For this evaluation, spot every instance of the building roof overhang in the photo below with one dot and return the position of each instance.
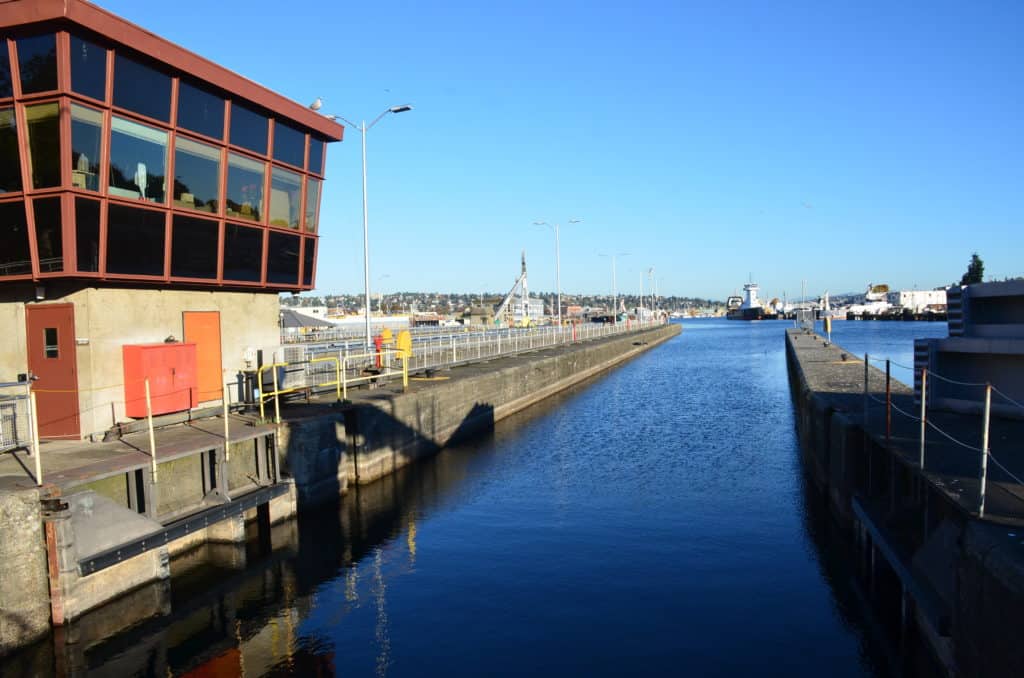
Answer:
(98, 20)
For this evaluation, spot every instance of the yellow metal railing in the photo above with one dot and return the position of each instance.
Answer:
(275, 394)
(343, 364)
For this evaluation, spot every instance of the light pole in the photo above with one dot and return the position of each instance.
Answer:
(363, 129)
(615, 308)
(558, 267)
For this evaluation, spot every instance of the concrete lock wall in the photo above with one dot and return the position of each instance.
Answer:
(989, 586)
(107, 318)
(24, 583)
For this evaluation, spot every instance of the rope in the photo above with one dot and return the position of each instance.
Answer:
(1005, 470)
(961, 444)
(905, 414)
(954, 381)
(1007, 398)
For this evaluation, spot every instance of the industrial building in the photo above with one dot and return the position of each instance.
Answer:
(152, 206)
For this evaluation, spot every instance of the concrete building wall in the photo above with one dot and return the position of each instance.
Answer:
(107, 318)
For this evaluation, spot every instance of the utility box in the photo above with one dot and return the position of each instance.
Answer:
(171, 370)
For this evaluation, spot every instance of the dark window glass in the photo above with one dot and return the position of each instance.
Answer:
(138, 160)
(243, 253)
(245, 187)
(88, 69)
(194, 248)
(289, 145)
(316, 156)
(10, 163)
(87, 234)
(308, 257)
(248, 129)
(200, 111)
(49, 238)
(5, 72)
(135, 241)
(37, 63)
(312, 204)
(196, 175)
(283, 259)
(44, 144)
(285, 198)
(50, 343)
(141, 89)
(86, 132)
(14, 255)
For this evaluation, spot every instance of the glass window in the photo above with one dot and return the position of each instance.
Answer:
(138, 160)
(88, 68)
(245, 187)
(283, 259)
(248, 129)
(14, 255)
(44, 144)
(37, 63)
(194, 247)
(50, 344)
(289, 145)
(312, 204)
(316, 155)
(6, 90)
(200, 111)
(87, 234)
(196, 175)
(49, 238)
(10, 162)
(141, 89)
(86, 132)
(243, 253)
(285, 198)
(308, 257)
(135, 241)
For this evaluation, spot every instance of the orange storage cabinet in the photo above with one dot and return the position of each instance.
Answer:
(173, 382)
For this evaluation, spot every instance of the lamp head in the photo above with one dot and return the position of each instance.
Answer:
(540, 223)
(575, 221)
(400, 109)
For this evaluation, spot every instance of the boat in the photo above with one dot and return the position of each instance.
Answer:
(748, 307)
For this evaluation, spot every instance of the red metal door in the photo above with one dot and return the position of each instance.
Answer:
(51, 358)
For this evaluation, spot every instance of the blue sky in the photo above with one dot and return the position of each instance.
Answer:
(838, 143)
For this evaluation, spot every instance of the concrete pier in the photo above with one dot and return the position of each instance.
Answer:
(948, 579)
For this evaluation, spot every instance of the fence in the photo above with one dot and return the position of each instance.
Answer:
(956, 430)
(19, 428)
(439, 348)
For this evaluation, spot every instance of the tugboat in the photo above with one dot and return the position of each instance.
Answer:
(749, 307)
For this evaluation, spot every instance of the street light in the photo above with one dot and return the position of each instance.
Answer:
(615, 308)
(558, 268)
(363, 129)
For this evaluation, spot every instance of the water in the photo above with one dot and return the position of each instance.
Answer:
(653, 521)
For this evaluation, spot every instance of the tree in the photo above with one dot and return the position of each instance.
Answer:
(975, 271)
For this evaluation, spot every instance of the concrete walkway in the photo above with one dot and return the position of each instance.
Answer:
(69, 463)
